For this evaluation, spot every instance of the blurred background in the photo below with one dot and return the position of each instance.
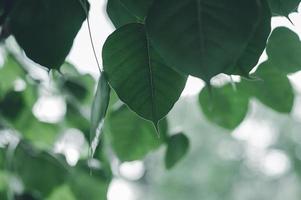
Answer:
(259, 160)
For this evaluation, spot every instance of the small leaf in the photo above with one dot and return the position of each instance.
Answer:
(284, 50)
(201, 37)
(283, 7)
(45, 29)
(138, 74)
(99, 110)
(131, 136)
(274, 90)
(177, 147)
(224, 106)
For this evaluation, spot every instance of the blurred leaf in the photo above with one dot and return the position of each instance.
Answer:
(132, 137)
(205, 33)
(9, 73)
(284, 50)
(274, 90)
(40, 171)
(256, 44)
(62, 193)
(12, 105)
(99, 110)
(138, 75)
(224, 106)
(76, 119)
(68, 69)
(45, 30)
(283, 7)
(87, 186)
(177, 147)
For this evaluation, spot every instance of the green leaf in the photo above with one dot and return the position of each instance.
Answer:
(87, 186)
(256, 44)
(284, 50)
(45, 29)
(137, 7)
(283, 7)
(9, 73)
(274, 90)
(119, 14)
(122, 12)
(12, 105)
(201, 38)
(224, 106)
(131, 136)
(99, 110)
(40, 171)
(177, 147)
(138, 74)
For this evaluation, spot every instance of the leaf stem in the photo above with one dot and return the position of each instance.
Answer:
(84, 5)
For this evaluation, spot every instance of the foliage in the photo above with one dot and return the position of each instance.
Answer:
(157, 44)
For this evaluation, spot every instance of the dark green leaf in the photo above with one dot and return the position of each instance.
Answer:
(138, 75)
(131, 136)
(257, 43)
(12, 105)
(284, 50)
(201, 38)
(45, 29)
(283, 7)
(99, 110)
(137, 7)
(119, 14)
(224, 106)
(177, 147)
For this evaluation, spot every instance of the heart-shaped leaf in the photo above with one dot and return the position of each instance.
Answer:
(177, 147)
(45, 29)
(224, 106)
(201, 37)
(138, 74)
(274, 89)
(284, 50)
(132, 137)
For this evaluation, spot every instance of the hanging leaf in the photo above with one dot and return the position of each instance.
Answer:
(283, 7)
(201, 38)
(99, 109)
(256, 44)
(45, 29)
(274, 90)
(132, 137)
(177, 147)
(224, 106)
(138, 74)
(284, 50)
